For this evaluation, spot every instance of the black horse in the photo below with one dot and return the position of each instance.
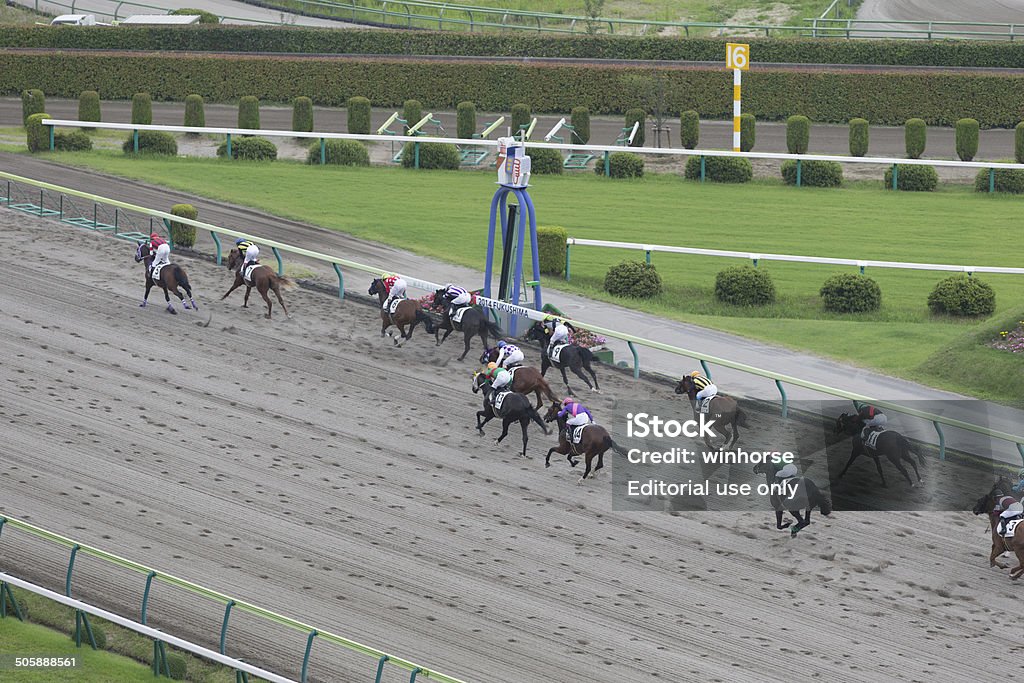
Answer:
(892, 445)
(804, 495)
(474, 322)
(171, 277)
(576, 358)
(514, 408)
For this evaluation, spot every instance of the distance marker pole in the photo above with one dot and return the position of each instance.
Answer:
(736, 74)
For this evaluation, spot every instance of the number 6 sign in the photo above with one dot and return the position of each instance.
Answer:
(737, 56)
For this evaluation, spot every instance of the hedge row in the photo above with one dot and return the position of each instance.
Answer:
(379, 42)
(882, 98)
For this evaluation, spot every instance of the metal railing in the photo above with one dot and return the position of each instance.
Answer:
(605, 150)
(82, 7)
(631, 340)
(229, 603)
(822, 27)
(756, 257)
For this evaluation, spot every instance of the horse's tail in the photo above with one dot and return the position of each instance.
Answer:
(427, 321)
(287, 283)
(610, 443)
(535, 416)
(908, 451)
(741, 417)
(492, 328)
(816, 497)
(587, 356)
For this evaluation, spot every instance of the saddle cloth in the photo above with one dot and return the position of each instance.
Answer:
(498, 399)
(1010, 526)
(705, 404)
(247, 273)
(156, 271)
(394, 305)
(512, 371)
(457, 316)
(556, 352)
(872, 439)
(577, 434)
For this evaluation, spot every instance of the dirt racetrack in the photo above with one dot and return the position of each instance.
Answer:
(307, 466)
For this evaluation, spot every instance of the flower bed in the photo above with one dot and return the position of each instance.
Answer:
(1010, 340)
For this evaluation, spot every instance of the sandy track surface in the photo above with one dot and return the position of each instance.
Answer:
(308, 466)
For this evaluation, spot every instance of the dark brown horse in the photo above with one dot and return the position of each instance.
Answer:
(170, 278)
(594, 441)
(1001, 494)
(407, 312)
(893, 445)
(263, 278)
(573, 356)
(524, 379)
(513, 407)
(804, 495)
(724, 410)
(473, 322)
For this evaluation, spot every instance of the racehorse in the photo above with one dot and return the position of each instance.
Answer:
(986, 506)
(474, 321)
(407, 312)
(805, 495)
(892, 445)
(263, 278)
(525, 379)
(514, 408)
(724, 410)
(171, 276)
(594, 441)
(573, 356)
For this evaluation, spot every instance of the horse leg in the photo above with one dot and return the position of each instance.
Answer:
(778, 521)
(145, 297)
(524, 422)
(565, 379)
(167, 298)
(401, 332)
(277, 293)
(905, 456)
(238, 283)
(586, 366)
(248, 291)
(895, 460)
(878, 466)
(505, 422)
(384, 325)
(263, 293)
(997, 549)
(853, 456)
(600, 462)
(544, 364)
(575, 367)
(467, 335)
(487, 415)
(735, 429)
(586, 472)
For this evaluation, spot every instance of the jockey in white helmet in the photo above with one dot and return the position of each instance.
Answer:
(559, 335)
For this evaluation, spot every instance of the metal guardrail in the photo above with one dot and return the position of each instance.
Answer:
(821, 27)
(631, 340)
(153, 575)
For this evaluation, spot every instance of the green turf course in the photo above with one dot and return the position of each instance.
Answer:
(444, 215)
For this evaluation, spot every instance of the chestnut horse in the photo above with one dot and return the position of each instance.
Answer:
(986, 506)
(724, 410)
(171, 276)
(594, 441)
(408, 312)
(525, 379)
(263, 279)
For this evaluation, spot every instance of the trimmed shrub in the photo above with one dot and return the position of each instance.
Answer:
(142, 108)
(75, 141)
(177, 666)
(181, 234)
(249, 113)
(720, 169)
(358, 115)
(747, 132)
(915, 135)
(249, 148)
(966, 139)
(412, 112)
(545, 161)
(32, 102)
(89, 107)
(962, 296)
(813, 173)
(1009, 180)
(1018, 143)
(340, 153)
(913, 178)
(851, 293)
(520, 118)
(633, 279)
(465, 120)
(798, 134)
(551, 249)
(37, 135)
(622, 165)
(195, 114)
(438, 155)
(859, 134)
(689, 129)
(744, 286)
(204, 16)
(152, 142)
(302, 115)
(634, 116)
(580, 121)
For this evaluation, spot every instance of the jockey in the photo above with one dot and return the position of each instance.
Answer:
(395, 286)
(154, 243)
(873, 419)
(509, 355)
(249, 250)
(576, 414)
(162, 253)
(559, 334)
(704, 386)
(1014, 511)
(457, 297)
(500, 379)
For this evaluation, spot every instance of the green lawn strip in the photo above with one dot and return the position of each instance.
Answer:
(444, 215)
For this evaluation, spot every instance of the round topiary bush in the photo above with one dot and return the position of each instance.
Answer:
(177, 666)
(249, 113)
(580, 121)
(75, 141)
(744, 286)
(1009, 180)
(913, 178)
(851, 293)
(340, 152)
(204, 16)
(412, 112)
(195, 115)
(966, 139)
(89, 107)
(181, 234)
(142, 109)
(748, 132)
(152, 142)
(634, 279)
(37, 136)
(915, 136)
(633, 117)
(520, 118)
(358, 115)
(622, 165)
(249, 148)
(689, 129)
(302, 115)
(859, 135)
(798, 134)
(545, 161)
(962, 296)
(32, 102)
(813, 173)
(720, 169)
(436, 155)
(465, 120)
